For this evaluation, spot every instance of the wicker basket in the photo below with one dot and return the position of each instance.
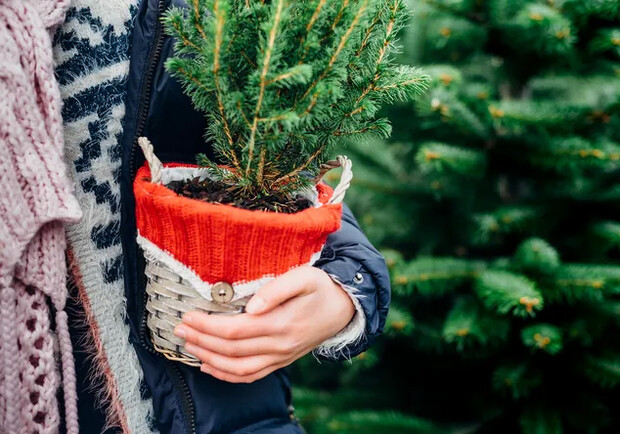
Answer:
(174, 287)
(169, 297)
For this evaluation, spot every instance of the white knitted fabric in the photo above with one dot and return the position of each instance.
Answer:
(91, 53)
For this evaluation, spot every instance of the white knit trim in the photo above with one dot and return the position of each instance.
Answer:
(170, 174)
(242, 288)
(335, 346)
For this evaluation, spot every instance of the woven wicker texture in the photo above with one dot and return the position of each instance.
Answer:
(169, 297)
(219, 244)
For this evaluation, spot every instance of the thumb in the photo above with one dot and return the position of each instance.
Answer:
(289, 285)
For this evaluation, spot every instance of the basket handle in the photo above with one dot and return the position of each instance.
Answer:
(157, 167)
(345, 177)
(154, 162)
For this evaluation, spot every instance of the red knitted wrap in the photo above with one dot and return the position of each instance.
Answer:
(224, 243)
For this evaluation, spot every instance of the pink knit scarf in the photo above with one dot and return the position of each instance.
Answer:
(35, 202)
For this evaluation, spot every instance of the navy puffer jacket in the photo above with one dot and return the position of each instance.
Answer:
(185, 399)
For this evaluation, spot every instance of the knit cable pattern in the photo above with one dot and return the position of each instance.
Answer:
(36, 201)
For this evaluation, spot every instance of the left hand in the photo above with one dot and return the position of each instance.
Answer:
(286, 319)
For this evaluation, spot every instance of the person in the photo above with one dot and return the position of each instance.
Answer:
(110, 66)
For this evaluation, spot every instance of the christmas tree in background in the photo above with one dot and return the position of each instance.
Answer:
(497, 202)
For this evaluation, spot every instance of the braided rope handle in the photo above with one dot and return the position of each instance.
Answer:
(345, 177)
(154, 163)
(341, 161)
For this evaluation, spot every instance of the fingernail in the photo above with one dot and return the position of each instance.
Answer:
(255, 305)
(190, 348)
(180, 331)
(204, 369)
(188, 318)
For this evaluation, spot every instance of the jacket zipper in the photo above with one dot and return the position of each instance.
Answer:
(187, 406)
(145, 94)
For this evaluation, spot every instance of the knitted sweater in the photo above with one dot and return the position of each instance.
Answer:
(91, 55)
(36, 201)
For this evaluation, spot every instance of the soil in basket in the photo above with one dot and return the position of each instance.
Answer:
(219, 192)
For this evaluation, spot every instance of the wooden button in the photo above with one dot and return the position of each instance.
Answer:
(222, 292)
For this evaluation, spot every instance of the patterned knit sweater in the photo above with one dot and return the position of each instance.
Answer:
(91, 54)
(35, 202)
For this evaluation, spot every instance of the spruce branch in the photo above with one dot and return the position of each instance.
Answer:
(394, 10)
(263, 84)
(345, 4)
(303, 166)
(197, 23)
(184, 37)
(220, 20)
(339, 48)
(368, 33)
(315, 15)
(275, 106)
(311, 22)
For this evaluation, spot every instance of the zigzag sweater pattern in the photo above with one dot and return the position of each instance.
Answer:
(91, 55)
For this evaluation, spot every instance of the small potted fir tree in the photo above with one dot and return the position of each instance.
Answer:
(281, 82)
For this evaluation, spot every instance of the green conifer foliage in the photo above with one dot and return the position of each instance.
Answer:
(282, 81)
(497, 201)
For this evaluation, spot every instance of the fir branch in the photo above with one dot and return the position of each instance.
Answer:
(360, 131)
(382, 51)
(315, 15)
(261, 166)
(250, 61)
(368, 32)
(219, 30)
(303, 167)
(242, 112)
(340, 13)
(309, 26)
(298, 74)
(263, 84)
(243, 70)
(184, 36)
(313, 101)
(197, 23)
(193, 79)
(413, 81)
(341, 44)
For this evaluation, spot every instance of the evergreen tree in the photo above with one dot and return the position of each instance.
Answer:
(498, 203)
(283, 81)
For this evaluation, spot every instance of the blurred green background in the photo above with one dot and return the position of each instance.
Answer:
(497, 206)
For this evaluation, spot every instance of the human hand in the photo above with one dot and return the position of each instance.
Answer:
(286, 319)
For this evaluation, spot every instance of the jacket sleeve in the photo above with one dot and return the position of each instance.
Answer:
(350, 259)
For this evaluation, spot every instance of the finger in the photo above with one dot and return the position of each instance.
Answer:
(290, 284)
(233, 348)
(231, 378)
(238, 366)
(230, 327)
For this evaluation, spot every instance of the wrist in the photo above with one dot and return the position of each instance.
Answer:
(341, 297)
(352, 331)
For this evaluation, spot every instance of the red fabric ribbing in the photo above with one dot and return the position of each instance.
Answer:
(225, 243)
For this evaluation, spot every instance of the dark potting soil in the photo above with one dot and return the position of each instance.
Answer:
(219, 192)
